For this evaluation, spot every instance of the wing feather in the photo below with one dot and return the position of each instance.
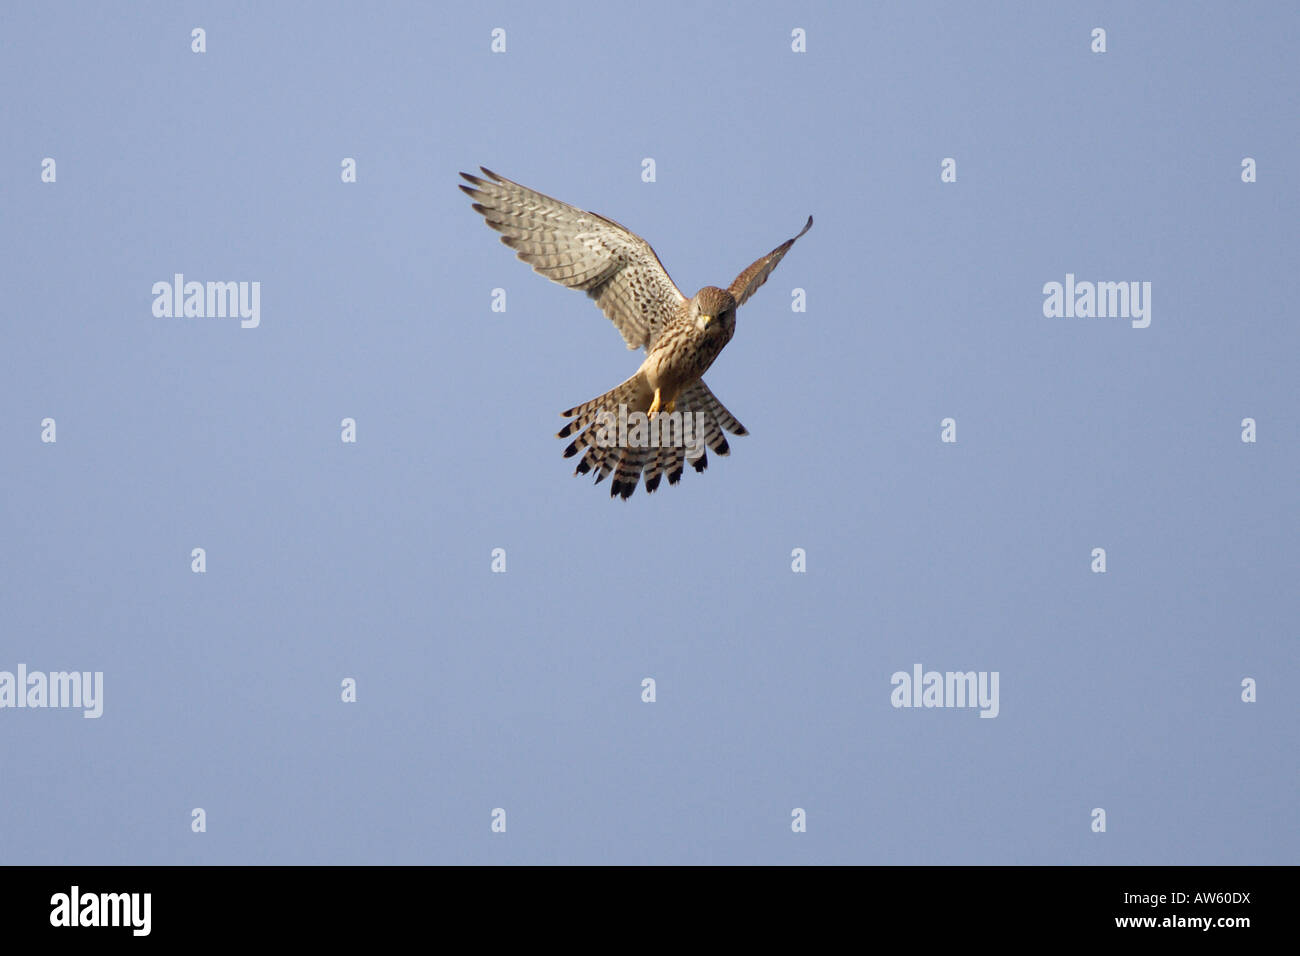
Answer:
(748, 282)
(581, 250)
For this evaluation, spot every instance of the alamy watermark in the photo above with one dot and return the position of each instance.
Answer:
(37, 689)
(1103, 300)
(208, 300)
(922, 688)
(638, 430)
(75, 908)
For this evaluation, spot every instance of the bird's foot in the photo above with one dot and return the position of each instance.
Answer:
(656, 408)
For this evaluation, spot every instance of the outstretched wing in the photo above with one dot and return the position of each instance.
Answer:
(747, 282)
(581, 250)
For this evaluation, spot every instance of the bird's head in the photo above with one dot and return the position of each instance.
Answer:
(714, 305)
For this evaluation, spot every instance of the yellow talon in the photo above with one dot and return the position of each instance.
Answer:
(655, 409)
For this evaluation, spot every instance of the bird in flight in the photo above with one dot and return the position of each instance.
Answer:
(678, 414)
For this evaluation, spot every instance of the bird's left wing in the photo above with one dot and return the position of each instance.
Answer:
(747, 282)
(581, 250)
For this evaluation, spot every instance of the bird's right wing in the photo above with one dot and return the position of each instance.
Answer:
(581, 250)
(748, 282)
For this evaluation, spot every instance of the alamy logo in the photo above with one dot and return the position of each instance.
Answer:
(102, 909)
(56, 689)
(1103, 300)
(208, 300)
(946, 689)
(639, 430)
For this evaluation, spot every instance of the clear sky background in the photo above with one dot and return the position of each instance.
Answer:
(522, 690)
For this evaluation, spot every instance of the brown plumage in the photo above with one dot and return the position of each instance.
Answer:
(682, 337)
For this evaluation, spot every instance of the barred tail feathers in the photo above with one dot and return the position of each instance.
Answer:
(599, 454)
(587, 424)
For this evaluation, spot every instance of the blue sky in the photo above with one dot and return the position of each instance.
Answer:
(522, 690)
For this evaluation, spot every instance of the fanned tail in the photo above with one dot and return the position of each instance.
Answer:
(595, 427)
(596, 436)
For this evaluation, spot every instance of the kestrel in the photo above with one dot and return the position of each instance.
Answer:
(681, 336)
